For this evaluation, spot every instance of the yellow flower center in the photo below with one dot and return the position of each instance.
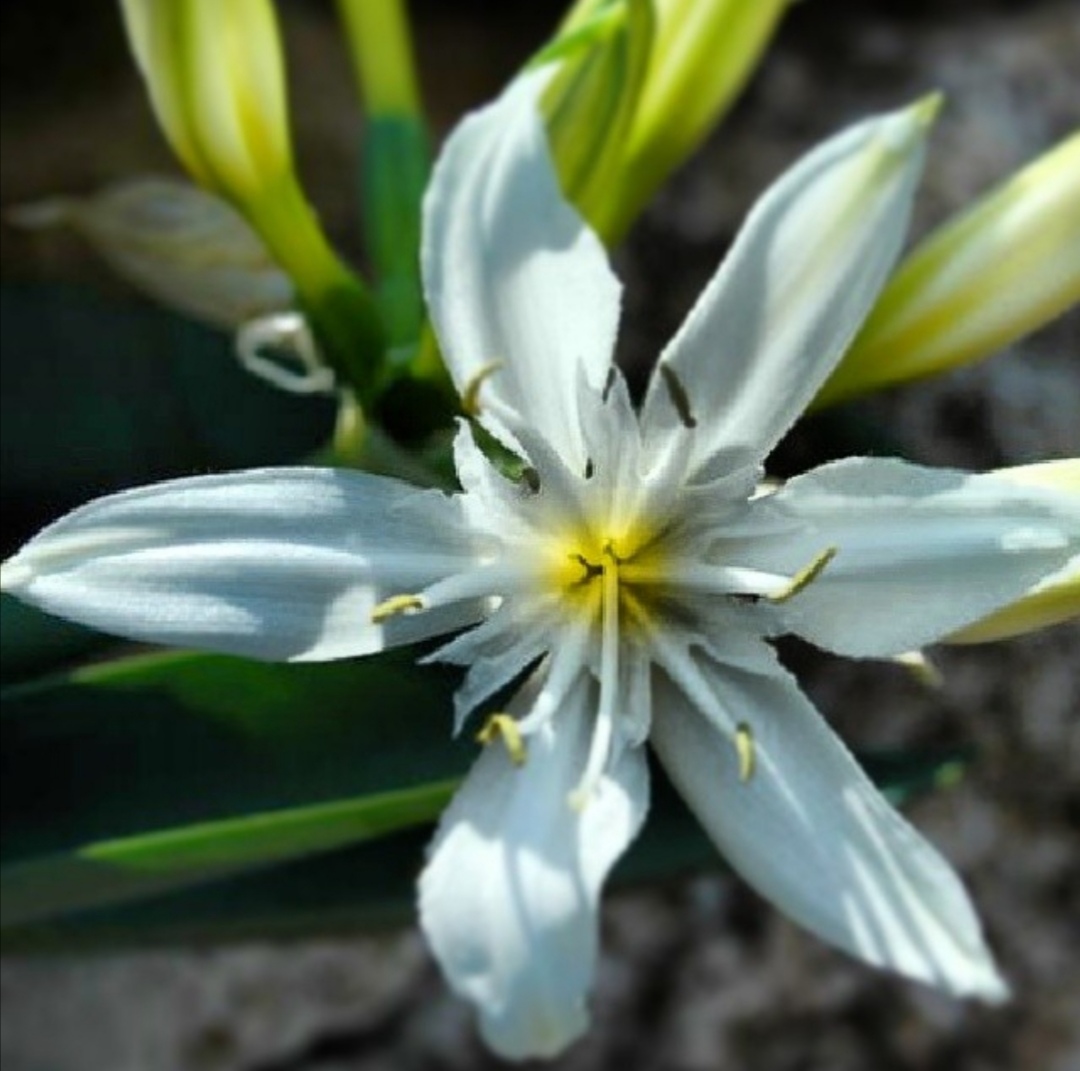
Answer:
(587, 568)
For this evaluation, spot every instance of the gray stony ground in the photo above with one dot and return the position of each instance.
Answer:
(698, 975)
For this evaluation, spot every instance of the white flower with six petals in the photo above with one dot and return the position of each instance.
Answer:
(631, 582)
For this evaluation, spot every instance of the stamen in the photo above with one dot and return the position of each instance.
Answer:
(396, 604)
(567, 663)
(921, 668)
(604, 730)
(500, 577)
(744, 748)
(707, 579)
(609, 549)
(590, 571)
(805, 576)
(609, 382)
(505, 728)
(470, 396)
(677, 392)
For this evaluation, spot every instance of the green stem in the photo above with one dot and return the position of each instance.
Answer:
(342, 311)
(381, 48)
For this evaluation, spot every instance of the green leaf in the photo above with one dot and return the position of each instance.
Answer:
(372, 884)
(35, 643)
(159, 741)
(180, 796)
(98, 394)
(136, 867)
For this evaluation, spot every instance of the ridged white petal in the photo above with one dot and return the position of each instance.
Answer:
(279, 564)
(919, 552)
(512, 274)
(509, 896)
(792, 292)
(811, 833)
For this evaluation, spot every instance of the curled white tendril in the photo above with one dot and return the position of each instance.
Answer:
(281, 350)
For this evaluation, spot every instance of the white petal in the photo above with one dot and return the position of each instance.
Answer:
(281, 564)
(512, 273)
(810, 832)
(496, 651)
(509, 897)
(798, 282)
(920, 552)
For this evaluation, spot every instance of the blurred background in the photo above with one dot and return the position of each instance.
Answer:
(698, 974)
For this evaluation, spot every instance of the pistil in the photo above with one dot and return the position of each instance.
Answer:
(604, 729)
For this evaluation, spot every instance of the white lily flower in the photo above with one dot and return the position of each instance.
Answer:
(632, 584)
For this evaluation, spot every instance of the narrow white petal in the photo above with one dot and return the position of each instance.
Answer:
(513, 275)
(496, 651)
(509, 897)
(793, 290)
(281, 564)
(491, 501)
(810, 832)
(919, 552)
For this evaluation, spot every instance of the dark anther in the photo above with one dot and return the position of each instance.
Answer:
(590, 569)
(612, 375)
(531, 479)
(678, 395)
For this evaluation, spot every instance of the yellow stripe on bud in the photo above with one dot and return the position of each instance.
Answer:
(590, 105)
(643, 82)
(505, 728)
(1054, 599)
(997, 271)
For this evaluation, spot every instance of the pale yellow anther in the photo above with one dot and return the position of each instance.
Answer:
(744, 749)
(470, 396)
(505, 728)
(921, 668)
(805, 576)
(578, 800)
(396, 604)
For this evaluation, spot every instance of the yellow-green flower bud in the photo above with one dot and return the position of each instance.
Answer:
(216, 79)
(590, 106)
(662, 74)
(995, 272)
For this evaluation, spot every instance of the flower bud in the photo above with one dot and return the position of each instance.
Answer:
(179, 244)
(997, 271)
